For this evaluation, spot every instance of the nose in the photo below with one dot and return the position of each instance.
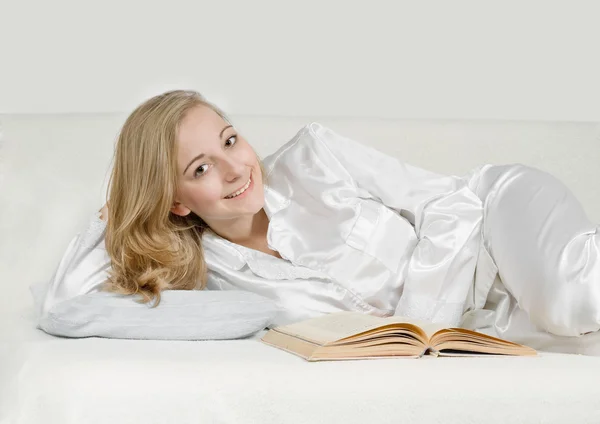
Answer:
(232, 169)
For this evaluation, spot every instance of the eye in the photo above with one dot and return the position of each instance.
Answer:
(230, 143)
(201, 170)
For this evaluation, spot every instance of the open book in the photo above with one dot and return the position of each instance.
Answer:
(353, 335)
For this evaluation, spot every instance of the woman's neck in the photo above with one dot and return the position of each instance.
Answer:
(245, 232)
(255, 236)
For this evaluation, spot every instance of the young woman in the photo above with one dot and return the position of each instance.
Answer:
(327, 224)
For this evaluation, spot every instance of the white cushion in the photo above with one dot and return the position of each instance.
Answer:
(181, 315)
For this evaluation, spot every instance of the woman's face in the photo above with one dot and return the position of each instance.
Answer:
(219, 173)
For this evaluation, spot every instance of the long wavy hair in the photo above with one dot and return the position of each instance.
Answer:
(152, 249)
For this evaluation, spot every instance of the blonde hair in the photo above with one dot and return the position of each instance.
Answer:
(152, 249)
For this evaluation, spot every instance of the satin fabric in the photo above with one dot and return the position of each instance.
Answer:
(359, 230)
(547, 252)
(504, 249)
(83, 269)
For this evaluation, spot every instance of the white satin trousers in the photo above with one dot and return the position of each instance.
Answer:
(546, 249)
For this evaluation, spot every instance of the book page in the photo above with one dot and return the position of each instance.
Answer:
(340, 325)
(465, 341)
(429, 328)
(332, 327)
(343, 335)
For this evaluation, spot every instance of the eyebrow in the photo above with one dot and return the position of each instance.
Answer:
(201, 155)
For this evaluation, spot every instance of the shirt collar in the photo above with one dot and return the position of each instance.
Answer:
(274, 201)
(218, 249)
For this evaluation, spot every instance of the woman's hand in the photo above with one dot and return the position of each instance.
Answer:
(104, 213)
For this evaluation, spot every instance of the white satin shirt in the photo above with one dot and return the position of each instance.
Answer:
(357, 230)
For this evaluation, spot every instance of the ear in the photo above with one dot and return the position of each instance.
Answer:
(180, 209)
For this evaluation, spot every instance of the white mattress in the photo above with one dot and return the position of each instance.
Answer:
(48, 380)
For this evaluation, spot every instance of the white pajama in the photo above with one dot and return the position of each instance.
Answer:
(546, 249)
(506, 250)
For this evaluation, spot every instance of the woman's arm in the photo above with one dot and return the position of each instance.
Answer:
(446, 216)
(82, 269)
(75, 307)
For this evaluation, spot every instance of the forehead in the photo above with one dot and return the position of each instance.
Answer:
(199, 126)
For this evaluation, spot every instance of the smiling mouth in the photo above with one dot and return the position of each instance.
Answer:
(240, 191)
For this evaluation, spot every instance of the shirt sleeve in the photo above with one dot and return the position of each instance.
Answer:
(82, 269)
(446, 216)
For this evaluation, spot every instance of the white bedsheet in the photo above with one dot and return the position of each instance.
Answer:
(49, 380)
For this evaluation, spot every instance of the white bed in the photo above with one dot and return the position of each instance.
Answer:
(243, 381)
(52, 177)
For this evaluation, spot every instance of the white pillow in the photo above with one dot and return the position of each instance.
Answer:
(181, 315)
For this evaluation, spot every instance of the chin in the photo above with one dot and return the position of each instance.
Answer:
(257, 204)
